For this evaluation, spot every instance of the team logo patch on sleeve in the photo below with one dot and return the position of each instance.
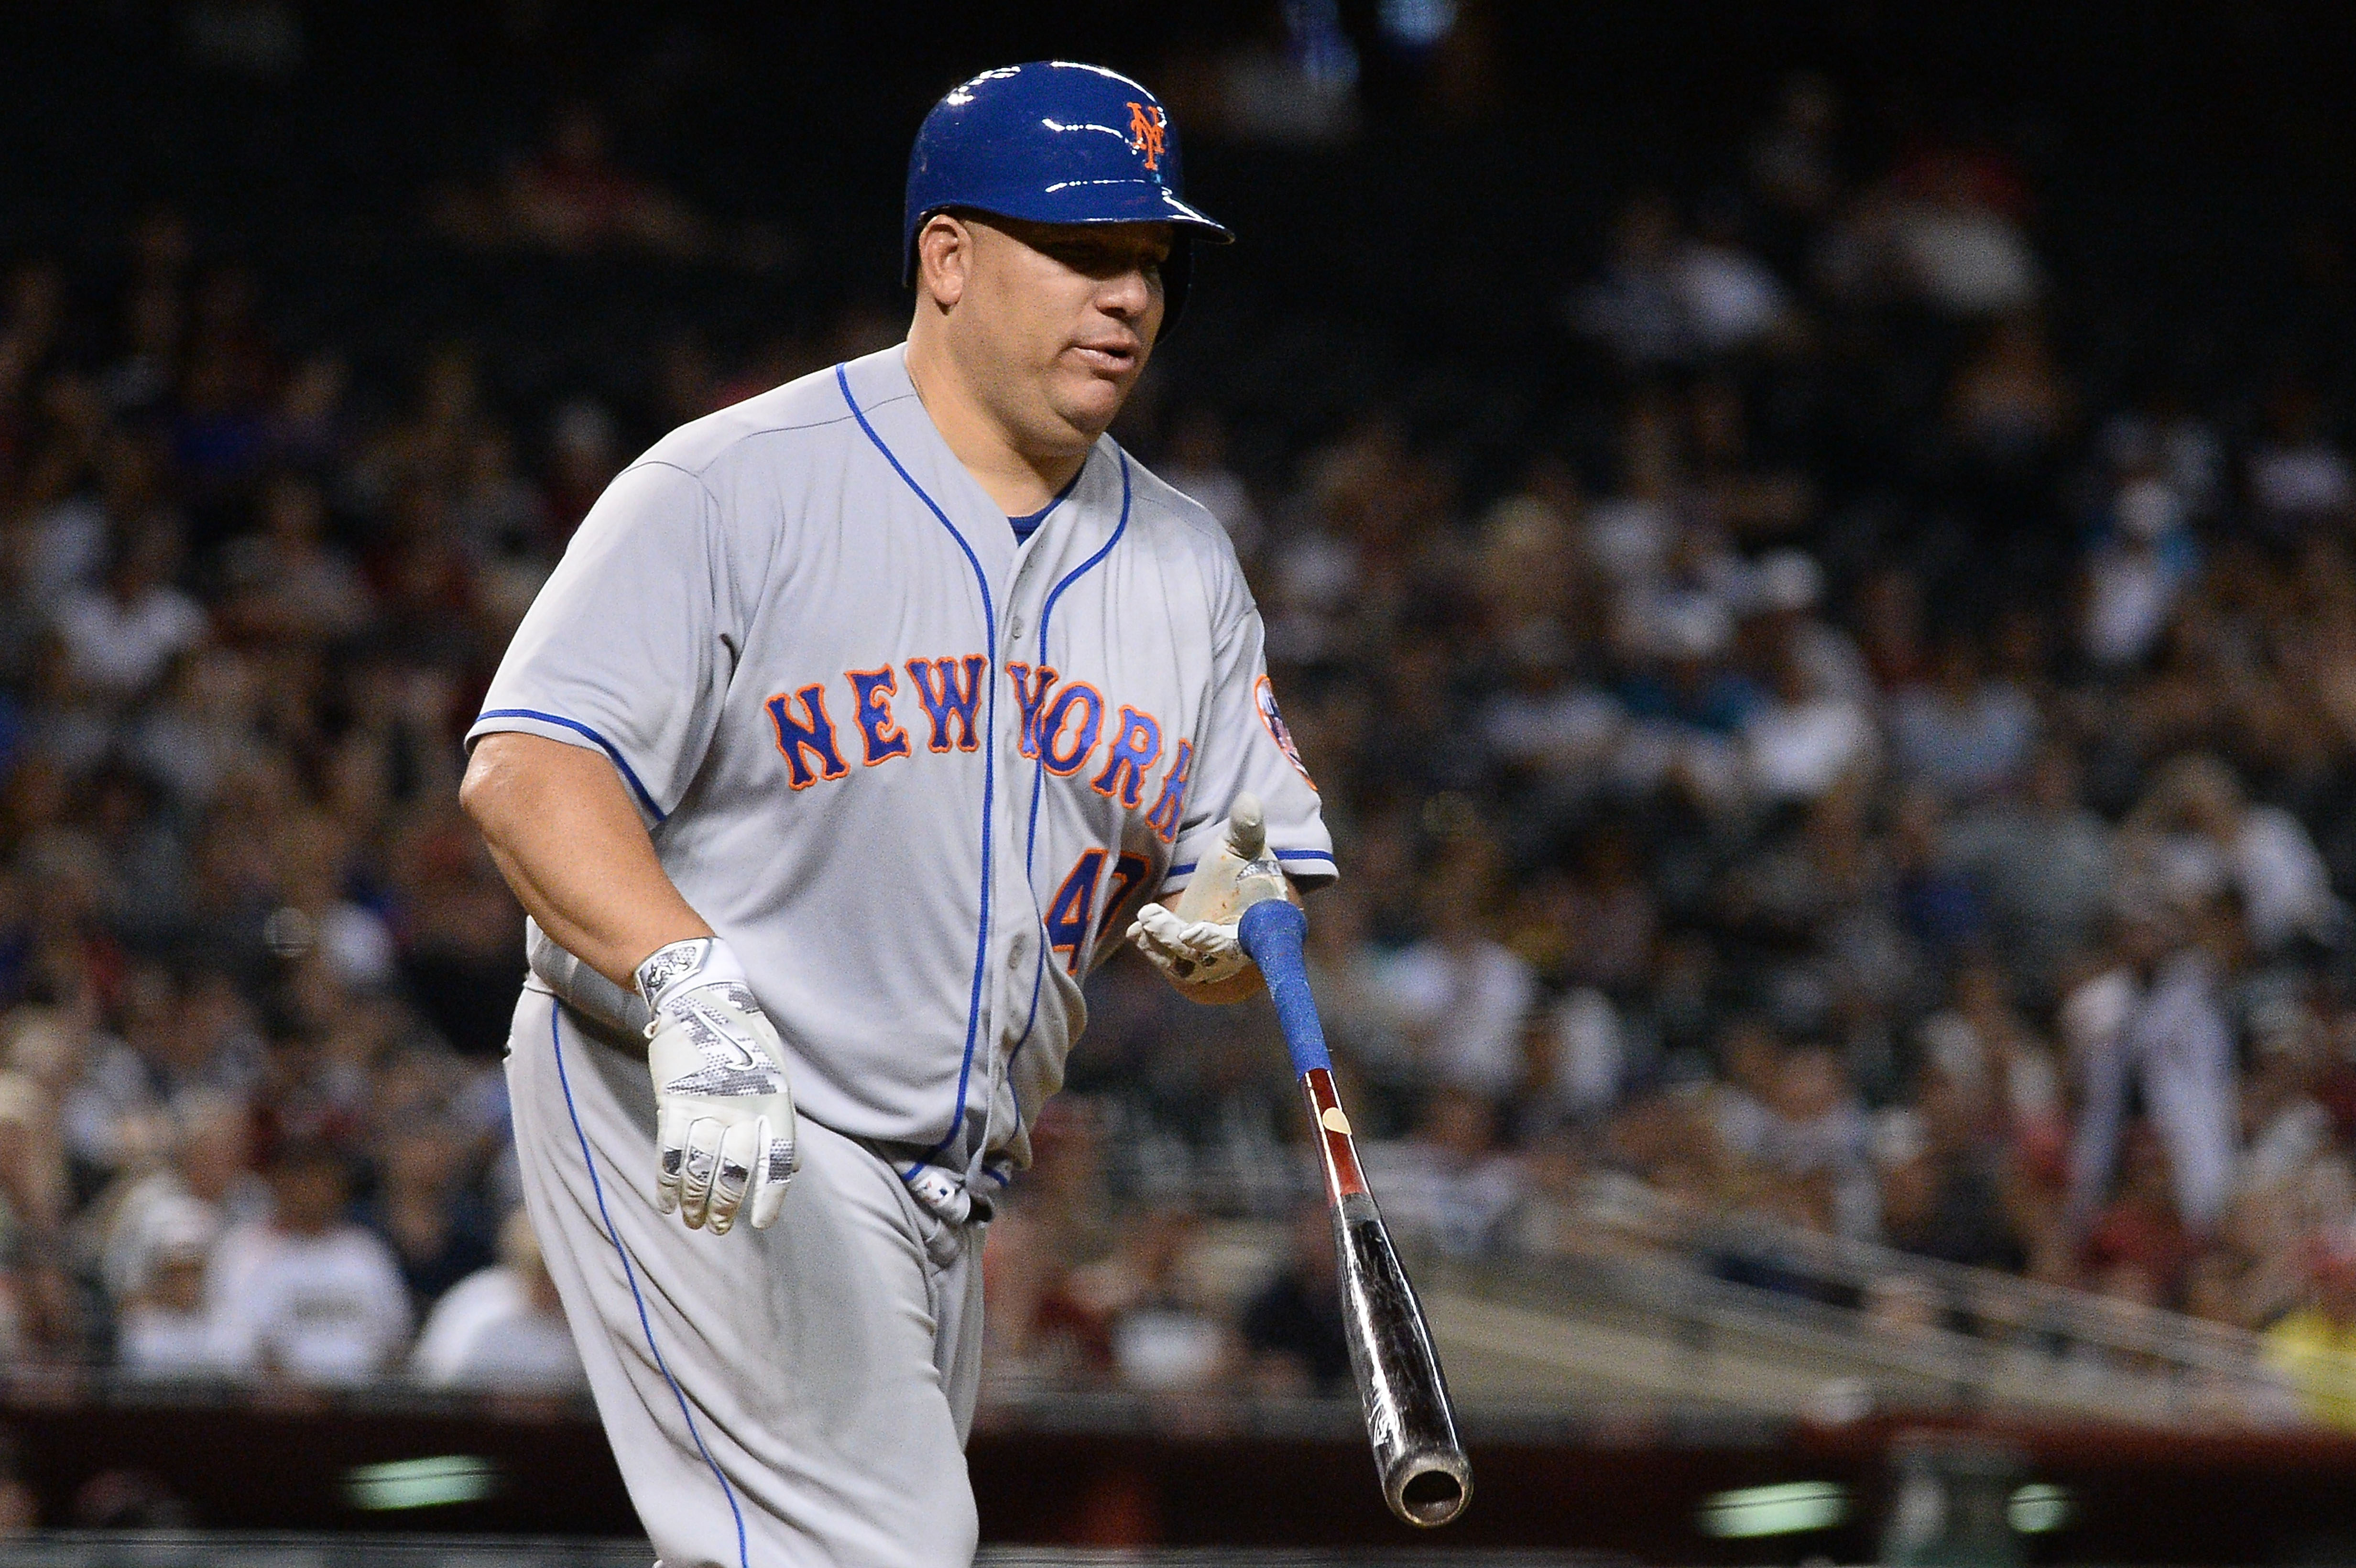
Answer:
(1264, 697)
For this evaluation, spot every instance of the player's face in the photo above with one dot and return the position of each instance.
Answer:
(1067, 314)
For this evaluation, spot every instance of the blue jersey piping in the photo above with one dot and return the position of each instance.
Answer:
(578, 728)
(646, 1326)
(988, 770)
(1191, 866)
(1039, 772)
(1047, 615)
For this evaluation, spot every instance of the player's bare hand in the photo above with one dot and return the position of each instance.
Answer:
(724, 1115)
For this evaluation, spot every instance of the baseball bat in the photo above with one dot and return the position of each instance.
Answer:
(1426, 1478)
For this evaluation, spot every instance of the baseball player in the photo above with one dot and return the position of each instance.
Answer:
(859, 721)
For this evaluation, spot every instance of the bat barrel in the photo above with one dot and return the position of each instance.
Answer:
(1426, 1477)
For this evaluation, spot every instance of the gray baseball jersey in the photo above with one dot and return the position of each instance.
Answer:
(916, 772)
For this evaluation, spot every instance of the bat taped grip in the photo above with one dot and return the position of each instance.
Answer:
(1270, 931)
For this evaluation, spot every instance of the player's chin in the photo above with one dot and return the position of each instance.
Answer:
(1089, 399)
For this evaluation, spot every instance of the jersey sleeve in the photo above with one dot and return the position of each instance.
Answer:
(1244, 746)
(629, 647)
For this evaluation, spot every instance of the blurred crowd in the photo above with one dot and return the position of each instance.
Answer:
(1854, 781)
(1849, 774)
(254, 964)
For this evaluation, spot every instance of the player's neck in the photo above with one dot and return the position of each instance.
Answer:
(1019, 481)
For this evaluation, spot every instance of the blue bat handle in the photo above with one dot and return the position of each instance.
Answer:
(1270, 931)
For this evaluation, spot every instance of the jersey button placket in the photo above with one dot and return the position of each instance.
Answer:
(1015, 894)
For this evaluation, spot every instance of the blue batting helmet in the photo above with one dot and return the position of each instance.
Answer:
(1053, 141)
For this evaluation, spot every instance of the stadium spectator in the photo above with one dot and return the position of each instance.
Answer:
(2195, 836)
(2297, 476)
(182, 1033)
(2042, 865)
(2009, 406)
(1451, 1183)
(1579, 1060)
(1195, 461)
(284, 581)
(305, 1295)
(163, 1330)
(1459, 997)
(1956, 240)
(1794, 167)
(423, 1212)
(1807, 740)
(120, 638)
(1814, 1132)
(2144, 561)
(2158, 1021)
(1961, 733)
(1610, 920)
(571, 197)
(199, 1180)
(1292, 1325)
(2140, 1247)
(1638, 308)
(1730, 299)
(1943, 1176)
(501, 1328)
(1147, 1298)
(1751, 1066)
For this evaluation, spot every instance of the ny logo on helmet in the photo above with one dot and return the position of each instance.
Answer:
(1145, 129)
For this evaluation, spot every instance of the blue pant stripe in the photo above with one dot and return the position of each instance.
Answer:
(556, 1034)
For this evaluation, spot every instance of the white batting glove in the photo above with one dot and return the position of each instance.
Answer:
(724, 1115)
(1195, 944)
(1193, 950)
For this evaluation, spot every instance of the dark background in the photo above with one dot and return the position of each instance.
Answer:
(2188, 155)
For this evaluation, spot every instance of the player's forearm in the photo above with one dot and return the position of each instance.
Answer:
(565, 836)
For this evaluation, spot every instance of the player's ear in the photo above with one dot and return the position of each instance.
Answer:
(944, 258)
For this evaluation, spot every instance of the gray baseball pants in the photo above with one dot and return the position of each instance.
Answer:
(788, 1398)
